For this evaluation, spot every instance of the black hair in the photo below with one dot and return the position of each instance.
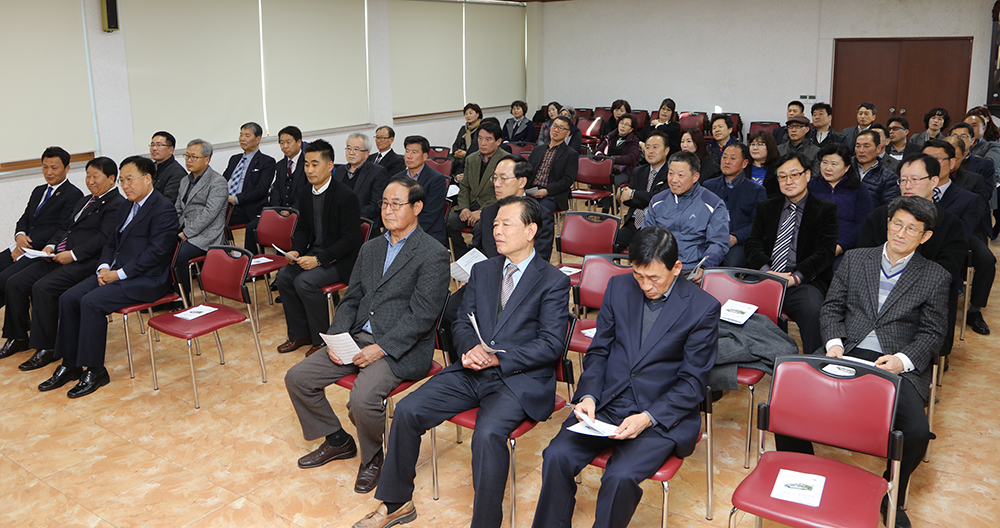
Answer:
(964, 125)
(257, 130)
(522, 167)
(568, 121)
(851, 178)
(143, 164)
(171, 141)
(520, 104)
(772, 146)
(325, 149)
(106, 165)
(291, 130)
(726, 119)
(493, 128)
(474, 107)
(870, 106)
(796, 156)
(897, 119)
(822, 106)
(698, 138)
(415, 193)
(873, 133)
(923, 210)
(630, 117)
(669, 103)
(425, 146)
(621, 103)
(943, 112)
(531, 212)
(802, 107)
(392, 133)
(651, 244)
(883, 132)
(684, 156)
(56, 152)
(661, 135)
(948, 148)
(931, 165)
(744, 150)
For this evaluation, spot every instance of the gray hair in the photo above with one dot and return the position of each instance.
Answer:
(364, 139)
(206, 147)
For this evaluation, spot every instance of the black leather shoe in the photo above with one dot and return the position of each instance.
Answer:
(902, 521)
(40, 359)
(13, 346)
(977, 323)
(90, 382)
(60, 377)
(368, 474)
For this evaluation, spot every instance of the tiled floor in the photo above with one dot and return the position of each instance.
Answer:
(132, 456)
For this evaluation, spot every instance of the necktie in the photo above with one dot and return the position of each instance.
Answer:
(937, 194)
(131, 215)
(507, 287)
(48, 194)
(289, 169)
(61, 246)
(641, 213)
(378, 158)
(783, 244)
(237, 179)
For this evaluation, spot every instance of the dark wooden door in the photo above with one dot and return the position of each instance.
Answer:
(905, 77)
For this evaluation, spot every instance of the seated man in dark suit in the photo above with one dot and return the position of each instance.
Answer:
(386, 157)
(646, 371)
(49, 206)
(965, 179)
(741, 196)
(887, 305)
(75, 248)
(289, 178)
(366, 178)
(555, 168)
(201, 209)
(519, 302)
(168, 172)
(135, 268)
(647, 181)
(475, 189)
(249, 175)
(434, 184)
(509, 179)
(795, 236)
(398, 287)
(866, 116)
(984, 167)
(822, 133)
(324, 247)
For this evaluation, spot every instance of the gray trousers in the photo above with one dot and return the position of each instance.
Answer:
(307, 380)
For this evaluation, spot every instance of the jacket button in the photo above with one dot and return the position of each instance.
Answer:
(492, 343)
(633, 376)
(371, 313)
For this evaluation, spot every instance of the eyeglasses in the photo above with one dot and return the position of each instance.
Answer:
(962, 136)
(908, 181)
(382, 138)
(193, 157)
(560, 127)
(395, 206)
(910, 231)
(158, 145)
(790, 175)
(896, 128)
(356, 149)
(129, 181)
(503, 179)
(758, 145)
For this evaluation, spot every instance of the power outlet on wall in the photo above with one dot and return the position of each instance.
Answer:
(811, 97)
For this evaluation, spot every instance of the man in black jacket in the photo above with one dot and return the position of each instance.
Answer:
(289, 178)
(641, 188)
(324, 247)
(555, 168)
(169, 172)
(249, 175)
(386, 157)
(366, 178)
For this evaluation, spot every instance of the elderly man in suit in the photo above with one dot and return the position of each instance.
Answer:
(555, 168)
(201, 208)
(519, 302)
(509, 179)
(169, 173)
(646, 372)
(887, 305)
(74, 250)
(475, 190)
(434, 184)
(386, 157)
(249, 175)
(794, 236)
(324, 248)
(366, 178)
(398, 287)
(647, 181)
(289, 178)
(135, 268)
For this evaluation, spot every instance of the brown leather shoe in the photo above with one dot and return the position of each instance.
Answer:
(368, 474)
(312, 350)
(291, 345)
(326, 453)
(380, 519)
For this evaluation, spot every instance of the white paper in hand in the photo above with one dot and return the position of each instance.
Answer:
(343, 346)
(801, 488)
(589, 427)
(34, 253)
(472, 317)
(452, 191)
(282, 252)
(737, 312)
(461, 269)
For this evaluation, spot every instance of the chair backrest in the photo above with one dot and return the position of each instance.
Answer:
(770, 126)
(597, 271)
(764, 290)
(521, 148)
(693, 119)
(641, 118)
(225, 272)
(603, 112)
(439, 152)
(589, 126)
(584, 233)
(594, 172)
(654, 115)
(277, 228)
(441, 165)
(584, 112)
(366, 230)
(564, 367)
(852, 410)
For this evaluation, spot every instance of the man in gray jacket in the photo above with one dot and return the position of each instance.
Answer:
(696, 216)
(201, 208)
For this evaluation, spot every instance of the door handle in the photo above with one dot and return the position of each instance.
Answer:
(902, 111)
(892, 110)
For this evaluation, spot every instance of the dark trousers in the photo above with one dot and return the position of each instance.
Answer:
(250, 236)
(303, 300)
(83, 321)
(802, 304)
(624, 236)
(185, 252)
(35, 291)
(910, 420)
(240, 216)
(985, 264)
(735, 258)
(632, 462)
(549, 204)
(442, 397)
(454, 227)
(9, 268)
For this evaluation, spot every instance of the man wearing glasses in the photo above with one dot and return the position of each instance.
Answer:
(168, 172)
(794, 236)
(555, 168)
(475, 189)
(366, 178)
(386, 157)
(798, 128)
(398, 287)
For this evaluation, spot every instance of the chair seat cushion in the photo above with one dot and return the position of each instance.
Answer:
(467, 419)
(337, 286)
(748, 376)
(170, 297)
(590, 194)
(172, 325)
(276, 263)
(851, 495)
(579, 342)
(347, 381)
(574, 279)
(665, 473)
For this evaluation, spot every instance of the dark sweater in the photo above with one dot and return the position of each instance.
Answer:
(853, 206)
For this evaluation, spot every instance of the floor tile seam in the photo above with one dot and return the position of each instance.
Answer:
(60, 492)
(107, 500)
(264, 506)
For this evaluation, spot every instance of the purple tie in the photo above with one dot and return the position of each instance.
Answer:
(62, 243)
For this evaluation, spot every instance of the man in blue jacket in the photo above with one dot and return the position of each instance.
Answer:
(697, 217)
(741, 196)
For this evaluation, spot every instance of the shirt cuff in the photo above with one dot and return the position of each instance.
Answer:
(53, 246)
(585, 396)
(799, 276)
(907, 364)
(73, 255)
(651, 419)
(19, 233)
(834, 342)
(102, 267)
(121, 274)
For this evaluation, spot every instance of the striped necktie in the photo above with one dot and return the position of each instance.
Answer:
(784, 242)
(640, 214)
(937, 194)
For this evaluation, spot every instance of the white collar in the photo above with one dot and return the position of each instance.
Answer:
(902, 261)
(321, 189)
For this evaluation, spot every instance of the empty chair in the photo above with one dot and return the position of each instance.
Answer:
(274, 229)
(521, 148)
(583, 234)
(439, 152)
(770, 126)
(698, 120)
(594, 172)
(441, 165)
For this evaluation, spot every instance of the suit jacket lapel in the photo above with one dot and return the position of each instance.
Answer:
(143, 210)
(676, 306)
(405, 254)
(873, 277)
(529, 278)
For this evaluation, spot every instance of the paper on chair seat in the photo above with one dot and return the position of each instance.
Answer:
(260, 260)
(590, 332)
(802, 488)
(343, 346)
(195, 312)
(737, 312)
(568, 270)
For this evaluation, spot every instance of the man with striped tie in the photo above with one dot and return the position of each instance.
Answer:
(794, 236)
(249, 175)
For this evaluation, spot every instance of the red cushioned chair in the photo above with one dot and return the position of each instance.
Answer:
(583, 234)
(594, 172)
(441, 165)
(276, 226)
(698, 120)
(584, 112)
(438, 152)
(590, 131)
(641, 119)
(521, 148)
(468, 419)
(673, 464)
(597, 271)
(603, 112)
(770, 126)
(853, 407)
(329, 290)
(764, 290)
(225, 275)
